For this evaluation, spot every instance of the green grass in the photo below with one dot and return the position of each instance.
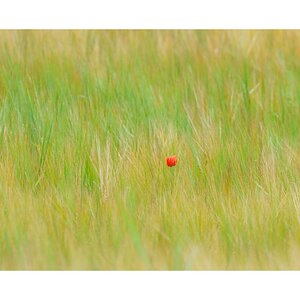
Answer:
(87, 119)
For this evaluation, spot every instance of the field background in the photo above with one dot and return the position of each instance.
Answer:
(87, 119)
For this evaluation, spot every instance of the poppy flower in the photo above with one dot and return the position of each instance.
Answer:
(171, 161)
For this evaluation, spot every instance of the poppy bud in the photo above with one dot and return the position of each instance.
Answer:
(171, 161)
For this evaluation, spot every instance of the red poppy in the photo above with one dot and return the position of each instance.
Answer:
(171, 161)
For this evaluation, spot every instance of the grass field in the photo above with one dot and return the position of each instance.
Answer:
(87, 119)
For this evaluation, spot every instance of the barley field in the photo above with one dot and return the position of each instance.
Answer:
(87, 119)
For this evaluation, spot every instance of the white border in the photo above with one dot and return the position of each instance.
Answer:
(149, 285)
(154, 14)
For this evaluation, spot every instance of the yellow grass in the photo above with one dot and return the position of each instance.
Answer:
(87, 119)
